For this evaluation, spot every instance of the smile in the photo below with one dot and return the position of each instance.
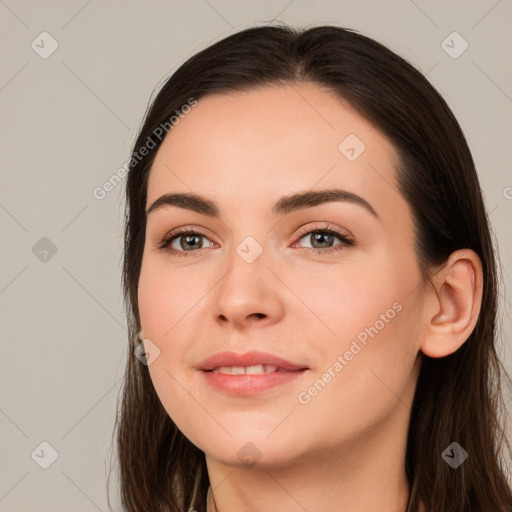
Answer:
(258, 369)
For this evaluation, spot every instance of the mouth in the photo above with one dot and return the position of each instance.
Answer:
(250, 373)
(257, 369)
(256, 362)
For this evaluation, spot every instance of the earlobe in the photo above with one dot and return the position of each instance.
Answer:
(453, 305)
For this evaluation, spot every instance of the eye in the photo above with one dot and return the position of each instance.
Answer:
(324, 236)
(182, 242)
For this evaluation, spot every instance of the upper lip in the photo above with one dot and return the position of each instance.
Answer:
(247, 359)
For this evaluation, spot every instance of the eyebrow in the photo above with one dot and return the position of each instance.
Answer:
(283, 206)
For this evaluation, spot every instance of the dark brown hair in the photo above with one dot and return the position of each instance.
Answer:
(458, 397)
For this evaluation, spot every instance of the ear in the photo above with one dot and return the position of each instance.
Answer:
(453, 304)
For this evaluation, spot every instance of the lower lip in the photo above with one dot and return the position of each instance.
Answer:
(249, 385)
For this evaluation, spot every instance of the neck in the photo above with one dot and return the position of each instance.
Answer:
(363, 474)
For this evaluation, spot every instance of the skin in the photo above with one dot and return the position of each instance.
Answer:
(345, 449)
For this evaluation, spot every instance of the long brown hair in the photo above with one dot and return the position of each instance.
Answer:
(458, 397)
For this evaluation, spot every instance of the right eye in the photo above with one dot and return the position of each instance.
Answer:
(186, 239)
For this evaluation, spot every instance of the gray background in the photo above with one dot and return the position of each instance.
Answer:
(67, 124)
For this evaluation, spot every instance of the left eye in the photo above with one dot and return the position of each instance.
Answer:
(325, 236)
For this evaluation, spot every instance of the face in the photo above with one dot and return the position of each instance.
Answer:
(326, 293)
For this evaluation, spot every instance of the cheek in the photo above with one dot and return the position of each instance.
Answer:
(361, 383)
(164, 301)
(171, 307)
(165, 295)
(367, 337)
(341, 301)
(155, 297)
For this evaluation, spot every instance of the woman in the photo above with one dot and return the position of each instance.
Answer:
(327, 342)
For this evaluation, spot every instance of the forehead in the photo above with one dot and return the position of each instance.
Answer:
(245, 149)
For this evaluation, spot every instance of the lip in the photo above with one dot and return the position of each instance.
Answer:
(249, 385)
(248, 359)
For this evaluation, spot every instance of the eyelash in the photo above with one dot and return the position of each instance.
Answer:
(345, 241)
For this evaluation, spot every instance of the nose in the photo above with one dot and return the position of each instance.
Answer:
(248, 295)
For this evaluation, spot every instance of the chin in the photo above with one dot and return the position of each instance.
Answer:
(253, 450)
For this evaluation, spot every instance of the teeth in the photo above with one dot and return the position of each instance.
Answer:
(258, 369)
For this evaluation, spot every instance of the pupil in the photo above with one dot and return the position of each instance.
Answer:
(188, 238)
(320, 236)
